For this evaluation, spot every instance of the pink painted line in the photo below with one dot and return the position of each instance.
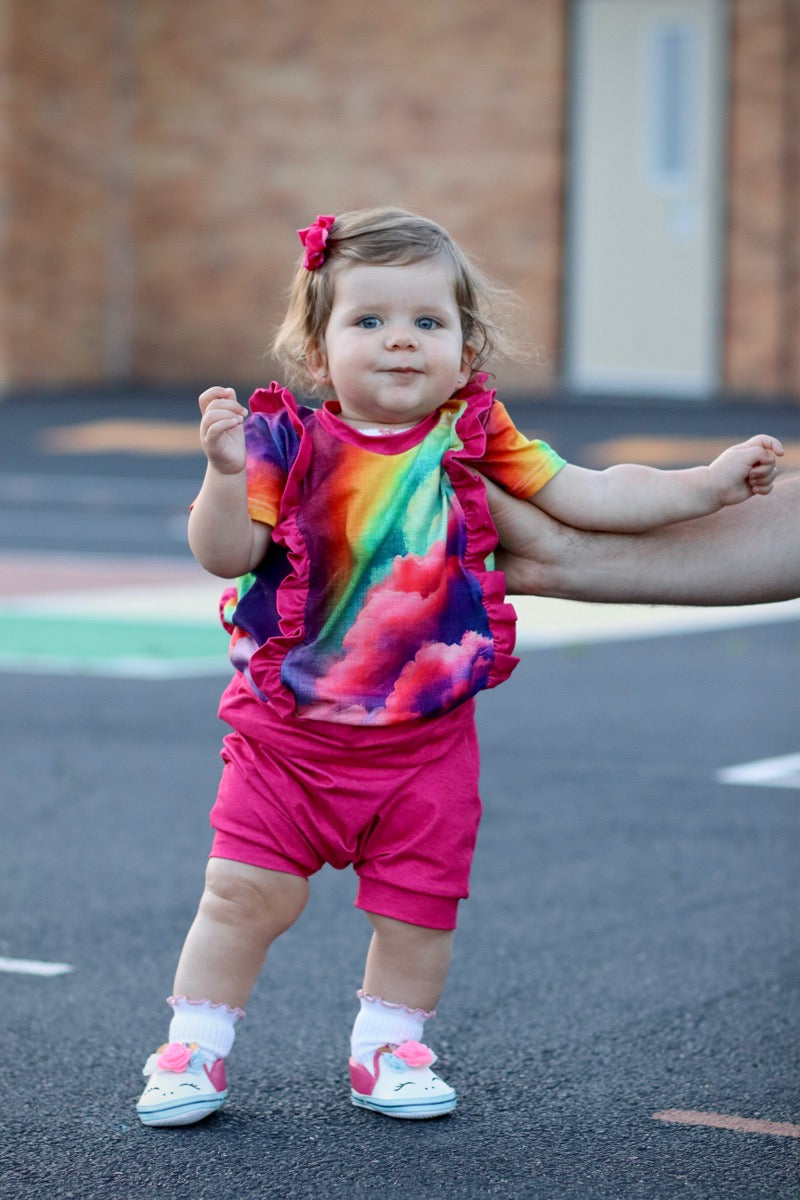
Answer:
(679, 1116)
(22, 573)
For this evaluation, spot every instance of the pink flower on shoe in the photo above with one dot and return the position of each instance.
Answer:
(415, 1054)
(174, 1057)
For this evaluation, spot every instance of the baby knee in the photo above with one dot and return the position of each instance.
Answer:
(238, 894)
(228, 898)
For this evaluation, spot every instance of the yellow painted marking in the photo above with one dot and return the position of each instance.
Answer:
(129, 437)
(674, 451)
(181, 437)
(679, 1116)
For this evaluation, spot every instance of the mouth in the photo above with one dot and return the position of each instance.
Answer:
(403, 371)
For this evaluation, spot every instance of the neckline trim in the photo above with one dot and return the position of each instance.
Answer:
(379, 443)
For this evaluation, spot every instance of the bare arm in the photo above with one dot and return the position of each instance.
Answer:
(747, 554)
(222, 536)
(629, 498)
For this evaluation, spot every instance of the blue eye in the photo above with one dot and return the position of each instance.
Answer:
(369, 322)
(427, 323)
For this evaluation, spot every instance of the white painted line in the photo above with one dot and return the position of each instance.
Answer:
(183, 603)
(118, 668)
(765, 772)
(31, 966)
(544, 622)
(541, 621)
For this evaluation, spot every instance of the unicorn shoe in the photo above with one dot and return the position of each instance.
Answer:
(181, 1088)
(401, 1083)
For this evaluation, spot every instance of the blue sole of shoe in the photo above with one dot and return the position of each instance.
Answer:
(406, 1112)
(184, 1113)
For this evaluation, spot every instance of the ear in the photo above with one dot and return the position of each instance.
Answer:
(317, 363)
(467, 359)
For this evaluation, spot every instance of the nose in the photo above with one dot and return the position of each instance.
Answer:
(401, 336)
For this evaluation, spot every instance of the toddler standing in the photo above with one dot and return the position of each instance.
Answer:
(365, 618)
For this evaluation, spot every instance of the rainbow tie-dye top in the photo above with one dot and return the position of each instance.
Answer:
(377, 601)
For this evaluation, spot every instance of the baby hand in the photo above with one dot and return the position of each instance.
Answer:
(748, 469)
(221, 434)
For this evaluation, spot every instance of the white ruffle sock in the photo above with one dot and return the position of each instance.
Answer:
(211, 1026)
(380, 1023)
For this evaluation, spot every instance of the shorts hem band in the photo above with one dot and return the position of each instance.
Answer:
(386, 900)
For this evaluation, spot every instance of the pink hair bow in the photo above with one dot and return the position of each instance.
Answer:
(314, 239)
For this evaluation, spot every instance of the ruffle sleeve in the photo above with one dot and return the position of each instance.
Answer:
(460, 464)
(265, 663)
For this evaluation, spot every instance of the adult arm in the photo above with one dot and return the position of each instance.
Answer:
(745, 554)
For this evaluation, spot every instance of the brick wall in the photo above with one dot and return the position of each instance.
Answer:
(251, 125)
(158, 158)
(161, 165)
(762, 330)
(56, 203)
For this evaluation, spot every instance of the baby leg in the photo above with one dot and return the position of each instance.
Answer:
(242, 910)
(407, 964)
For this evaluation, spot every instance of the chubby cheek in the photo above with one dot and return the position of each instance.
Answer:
(349, 359)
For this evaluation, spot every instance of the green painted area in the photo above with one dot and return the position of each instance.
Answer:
(30, 638)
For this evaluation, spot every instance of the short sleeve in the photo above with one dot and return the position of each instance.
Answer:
(520, 466)
(271, 443)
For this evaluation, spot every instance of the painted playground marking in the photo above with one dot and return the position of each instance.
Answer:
(679, 1116)
(543, 622)
(135, 436)
(142, 619)
(128, 621)
(783, 772)
(32, 966)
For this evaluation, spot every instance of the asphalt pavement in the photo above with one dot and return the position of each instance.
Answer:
(621, 1019)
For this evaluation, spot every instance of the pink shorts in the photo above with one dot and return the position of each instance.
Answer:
(399, 803)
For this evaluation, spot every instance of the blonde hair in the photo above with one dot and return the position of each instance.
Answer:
(385, 237)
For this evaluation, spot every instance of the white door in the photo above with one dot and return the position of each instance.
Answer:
(645, 197)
